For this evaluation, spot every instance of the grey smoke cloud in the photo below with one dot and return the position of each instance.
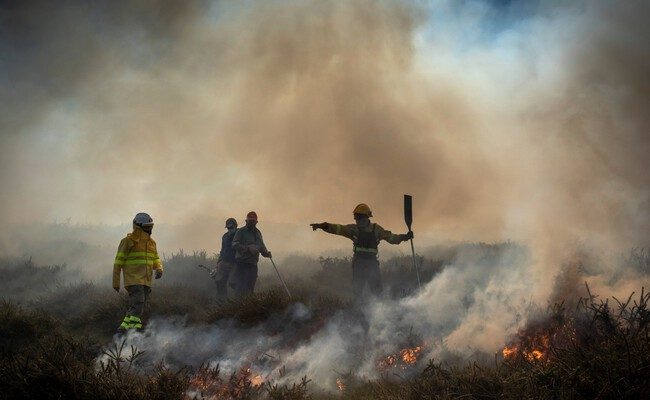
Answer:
(191, 108)
(524, 123)
(467, 312)
(503, 123)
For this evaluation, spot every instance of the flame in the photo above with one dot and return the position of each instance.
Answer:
(402, 359)
(536, 354)
(340, 384)
(208, 385)
(257, 380)
(537, 349)
(509, 351)
(535, 341)
(410, 356)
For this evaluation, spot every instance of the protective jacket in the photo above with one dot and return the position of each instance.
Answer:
(136, 257)
(365, 241)
(244, 237)
(227, 252)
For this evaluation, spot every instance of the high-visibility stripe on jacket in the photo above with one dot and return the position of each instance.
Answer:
(131, 322)
(136, 259)
(365, 242)
(351, 231)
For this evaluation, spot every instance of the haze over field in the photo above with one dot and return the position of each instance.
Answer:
(520, 123)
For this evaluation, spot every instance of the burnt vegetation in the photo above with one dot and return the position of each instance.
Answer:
(52, 337)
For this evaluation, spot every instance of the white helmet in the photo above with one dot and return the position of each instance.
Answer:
(143, 219)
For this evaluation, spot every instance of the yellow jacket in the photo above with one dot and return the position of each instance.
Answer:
(137, 257)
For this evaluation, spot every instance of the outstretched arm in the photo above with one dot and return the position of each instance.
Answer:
(335, 229)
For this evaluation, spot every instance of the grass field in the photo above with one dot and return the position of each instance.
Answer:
(56, 340)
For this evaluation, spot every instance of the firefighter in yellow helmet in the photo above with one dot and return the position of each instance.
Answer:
(365, 236)
(137, 259)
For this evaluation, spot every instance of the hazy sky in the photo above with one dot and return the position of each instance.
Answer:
(504, 119)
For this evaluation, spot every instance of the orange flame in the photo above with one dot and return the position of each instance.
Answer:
(538, 350)
(257, 380)
(210, 386)
(410, 356)
(403, 359)
(340, 384)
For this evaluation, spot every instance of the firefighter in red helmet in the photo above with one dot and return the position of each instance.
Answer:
(249, 245)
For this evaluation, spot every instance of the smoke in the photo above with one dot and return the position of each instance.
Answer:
(504, 121)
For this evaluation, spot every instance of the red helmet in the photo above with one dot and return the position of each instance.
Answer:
(252, 216)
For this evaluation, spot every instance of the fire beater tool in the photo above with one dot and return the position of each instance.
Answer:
(280, 276)
(408, 218)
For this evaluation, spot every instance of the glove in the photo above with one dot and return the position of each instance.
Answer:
(408, 235)
(268, 255)
(116, 289)
(158, 274)
(322, 226)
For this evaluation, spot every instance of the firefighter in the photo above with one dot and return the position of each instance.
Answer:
(366, 236)
(248, 245)
(226, 262)
(137, 259)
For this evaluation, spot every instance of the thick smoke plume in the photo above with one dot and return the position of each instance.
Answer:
(524, 121)
(503, 121)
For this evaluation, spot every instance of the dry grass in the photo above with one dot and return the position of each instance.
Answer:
(49, 346)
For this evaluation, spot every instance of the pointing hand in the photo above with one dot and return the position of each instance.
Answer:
(322, 226)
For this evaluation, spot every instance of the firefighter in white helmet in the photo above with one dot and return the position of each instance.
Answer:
(137, 259)
(365, 237)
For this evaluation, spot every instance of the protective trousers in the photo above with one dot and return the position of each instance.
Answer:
(224, 273)
(138, 297)
(365, 270)
(245, 276)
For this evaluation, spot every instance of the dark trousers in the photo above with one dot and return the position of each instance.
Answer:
(245, 276)
(138, 297)
(224, 273)
(365, 270)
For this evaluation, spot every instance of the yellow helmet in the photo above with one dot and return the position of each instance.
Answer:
(362, 209)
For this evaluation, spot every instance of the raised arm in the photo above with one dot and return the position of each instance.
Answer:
(391, 237)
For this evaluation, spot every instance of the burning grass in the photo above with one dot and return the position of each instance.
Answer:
(599, 349)
(207, 383)
(408, 356)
